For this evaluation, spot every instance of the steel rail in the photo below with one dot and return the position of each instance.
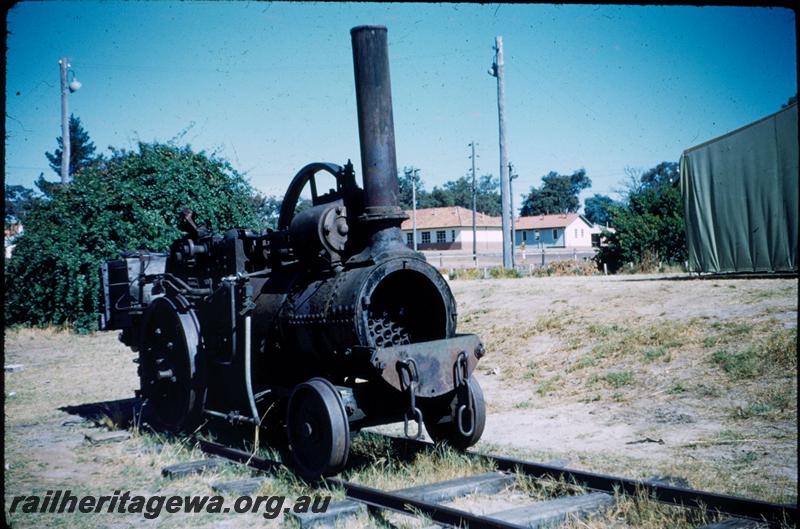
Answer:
(773, 513)
(371, 496)
(725, 504)
(239, 456)
(436, 512)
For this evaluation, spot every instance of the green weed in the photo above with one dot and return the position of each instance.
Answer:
(677, 389)
(738, 364)
(618, 379)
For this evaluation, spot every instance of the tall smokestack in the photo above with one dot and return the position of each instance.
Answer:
(376, 124)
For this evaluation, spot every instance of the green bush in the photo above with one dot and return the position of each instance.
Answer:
(649, 224)
(499, 272)
(128, 201)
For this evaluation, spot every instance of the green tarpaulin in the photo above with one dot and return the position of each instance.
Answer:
(740, 196)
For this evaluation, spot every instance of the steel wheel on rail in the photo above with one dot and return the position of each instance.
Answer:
(171, 380)
(318, 430)
(442, 422)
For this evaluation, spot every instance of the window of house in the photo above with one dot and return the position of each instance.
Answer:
(524, 236)
(555, 233)
(426, 237)
(581, 232)
(576, 233)
(536, 234)
(453, 235)
(441, 236)
(410, 238)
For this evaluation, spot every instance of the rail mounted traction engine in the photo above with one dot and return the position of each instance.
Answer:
(327, 324)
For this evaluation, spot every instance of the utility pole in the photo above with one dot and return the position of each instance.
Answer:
(497, 71)
(63, 65)
(414, 178)
(413, 174)
(474, 207)
(511, 177)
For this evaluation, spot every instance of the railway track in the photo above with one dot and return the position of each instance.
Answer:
(735, 512)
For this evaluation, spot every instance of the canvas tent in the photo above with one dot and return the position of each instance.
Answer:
(740, 195)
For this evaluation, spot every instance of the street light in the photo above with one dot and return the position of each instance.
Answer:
(75, 85)
(66, 89)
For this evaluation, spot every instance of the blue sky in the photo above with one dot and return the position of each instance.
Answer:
(269, 86)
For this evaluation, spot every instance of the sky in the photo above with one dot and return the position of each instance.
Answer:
(269, 86)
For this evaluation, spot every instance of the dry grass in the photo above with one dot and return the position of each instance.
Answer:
(712, 364)
(388, 471)
(632, 348)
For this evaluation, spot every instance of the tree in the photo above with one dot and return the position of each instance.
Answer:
(453, 193)
(406, 192)
(81, 149)
(487, 197)
(47, 188)
(649, 224)
(596, 209)
(20, 201)
(665, 174)
(558, 194)
(267, 208)
(129, 202)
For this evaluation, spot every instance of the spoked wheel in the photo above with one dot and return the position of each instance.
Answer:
(319, 434)
(171, 384)
(442, 423)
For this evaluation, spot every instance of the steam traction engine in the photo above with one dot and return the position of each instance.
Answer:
(330, 320)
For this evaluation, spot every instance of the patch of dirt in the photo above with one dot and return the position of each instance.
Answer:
(580, 369)
(668, 398)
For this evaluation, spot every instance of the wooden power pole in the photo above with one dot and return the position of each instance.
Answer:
(474, 207)
(497, 71)
(511, 177)
(414, 180)
(65, 145)
(412, 174)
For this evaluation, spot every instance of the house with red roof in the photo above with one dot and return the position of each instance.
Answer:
(569, 230)
(450, 228)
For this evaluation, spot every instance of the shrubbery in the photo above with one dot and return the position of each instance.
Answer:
(556, 268)
(127, 201)
(649, 224)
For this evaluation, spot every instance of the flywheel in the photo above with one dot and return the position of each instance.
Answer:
(171, 381)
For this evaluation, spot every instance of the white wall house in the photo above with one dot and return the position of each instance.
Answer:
(568, 230)
(11, 233)
(450, 228)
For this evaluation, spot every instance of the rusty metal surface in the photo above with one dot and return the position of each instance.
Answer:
(435, 361)
(330, 294)
(375, 121)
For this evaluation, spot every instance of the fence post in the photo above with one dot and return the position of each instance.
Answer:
(440, 261)
(575, 255)
(530, 269)
(605, 269)
(542, 257)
